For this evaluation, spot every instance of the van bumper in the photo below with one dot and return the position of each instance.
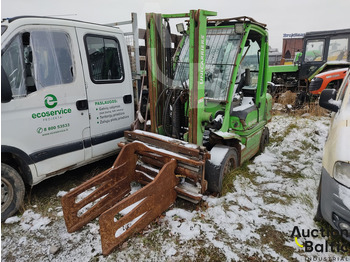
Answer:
(333, 208)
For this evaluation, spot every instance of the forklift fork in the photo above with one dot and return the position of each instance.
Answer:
(144, 160)
(145, 206)
(134, 212)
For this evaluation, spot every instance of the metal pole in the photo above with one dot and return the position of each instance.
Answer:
(135, 31)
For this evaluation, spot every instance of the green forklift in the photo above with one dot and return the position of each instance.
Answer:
(212, 91)
(209, 108)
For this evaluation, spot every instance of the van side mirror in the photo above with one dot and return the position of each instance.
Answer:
(6, 92)
(327, 100)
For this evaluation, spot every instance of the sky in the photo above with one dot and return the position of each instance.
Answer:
(281, 16)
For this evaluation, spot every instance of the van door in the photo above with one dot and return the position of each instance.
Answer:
(46, 118)
(109, 87)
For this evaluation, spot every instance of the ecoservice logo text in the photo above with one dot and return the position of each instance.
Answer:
(50, 101)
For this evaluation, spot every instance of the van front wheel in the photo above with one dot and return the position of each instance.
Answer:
(12, 191)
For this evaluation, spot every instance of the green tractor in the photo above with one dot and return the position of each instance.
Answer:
(322, 51)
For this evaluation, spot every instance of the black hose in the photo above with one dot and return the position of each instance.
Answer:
(157, 104)
(177, 112)
(166, 116)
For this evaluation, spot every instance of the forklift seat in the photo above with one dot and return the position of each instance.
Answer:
(249, 91)
(244, 109)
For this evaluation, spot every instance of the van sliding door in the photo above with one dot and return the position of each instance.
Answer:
(108, 86)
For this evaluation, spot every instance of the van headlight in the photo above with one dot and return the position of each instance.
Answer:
(341, 173)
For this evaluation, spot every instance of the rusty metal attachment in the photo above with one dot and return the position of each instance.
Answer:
(167, 167)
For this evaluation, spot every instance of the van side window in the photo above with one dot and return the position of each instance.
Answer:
(52, 58)
(104, 57)
(13, 64)
(37, 59)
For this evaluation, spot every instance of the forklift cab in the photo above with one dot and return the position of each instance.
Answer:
(213, 89)
(224, 80)
(244, 109)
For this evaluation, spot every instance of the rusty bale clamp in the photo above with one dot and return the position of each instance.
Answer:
(166, 172)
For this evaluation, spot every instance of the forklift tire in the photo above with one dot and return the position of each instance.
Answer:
(214, 174)
(12, 191)
(264, 139)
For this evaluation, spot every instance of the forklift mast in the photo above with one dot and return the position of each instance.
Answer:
(160, 76)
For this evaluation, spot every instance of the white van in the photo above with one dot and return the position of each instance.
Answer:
(66, 99)
(334, 189)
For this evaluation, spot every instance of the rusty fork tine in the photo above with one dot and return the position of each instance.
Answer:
(113, 183)
(156, 197)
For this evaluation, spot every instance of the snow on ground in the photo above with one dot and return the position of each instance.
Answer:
(254, 222)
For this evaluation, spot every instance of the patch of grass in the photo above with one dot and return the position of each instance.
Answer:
(43, 205)
(243, 171)
(131, 256)
(306, 199)
(292, 155)
(315, 110)
(40, 198)
(151, 240)
(210, 253)
(305, 145)
(290, 128)
(278, 198)
(202, 250)
(278, 218)
(279, 137)
(294, 174)
(274, 196)
(94, 259)
(276, 138)
(311, 108)
(275, 240)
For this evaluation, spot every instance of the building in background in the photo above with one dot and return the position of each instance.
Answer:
(275, 56)
(292, 44)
